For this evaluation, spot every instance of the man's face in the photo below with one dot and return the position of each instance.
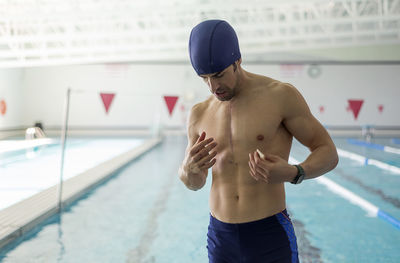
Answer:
(222, 84)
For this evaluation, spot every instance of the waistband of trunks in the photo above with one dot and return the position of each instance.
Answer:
(256, 225)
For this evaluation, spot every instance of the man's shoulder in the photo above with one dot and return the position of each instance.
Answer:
(198, 109)
(200, 106)
(285, 88)
(275, 86)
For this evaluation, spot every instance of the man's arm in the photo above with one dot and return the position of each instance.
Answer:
(198, 159)
(299, 121)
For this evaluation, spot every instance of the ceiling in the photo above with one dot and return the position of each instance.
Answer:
(50, 32)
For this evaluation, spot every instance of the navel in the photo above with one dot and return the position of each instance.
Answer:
(260, 137)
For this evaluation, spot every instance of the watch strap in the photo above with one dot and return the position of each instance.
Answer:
(300, 173)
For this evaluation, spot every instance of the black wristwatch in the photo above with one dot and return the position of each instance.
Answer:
(300, 175)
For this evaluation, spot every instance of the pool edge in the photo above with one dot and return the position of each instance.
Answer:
(23, 216)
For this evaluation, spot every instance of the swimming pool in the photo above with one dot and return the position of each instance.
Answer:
(145, 214)
(24, 172)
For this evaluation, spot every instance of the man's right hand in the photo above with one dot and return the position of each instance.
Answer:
(197, 162)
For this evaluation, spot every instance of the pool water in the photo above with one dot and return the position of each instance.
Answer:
(27, 172)
(145, 214)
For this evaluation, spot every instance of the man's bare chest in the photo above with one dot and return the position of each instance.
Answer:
(241, 126)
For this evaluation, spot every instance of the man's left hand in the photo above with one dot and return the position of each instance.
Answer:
(272, 169)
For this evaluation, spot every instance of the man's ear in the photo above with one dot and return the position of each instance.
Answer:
(237, 64)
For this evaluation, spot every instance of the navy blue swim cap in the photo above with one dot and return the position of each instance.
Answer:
(213, 46)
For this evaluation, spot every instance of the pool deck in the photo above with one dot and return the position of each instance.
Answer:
(21, 217)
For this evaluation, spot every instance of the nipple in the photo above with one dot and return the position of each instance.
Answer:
(260, 137)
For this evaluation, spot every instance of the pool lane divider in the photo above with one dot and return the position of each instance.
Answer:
(20, 218)
(371, 209)
(396, 141)
(367, 161)
(374, 146)
(370, 189)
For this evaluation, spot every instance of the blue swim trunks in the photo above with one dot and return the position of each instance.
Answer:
(271, 239)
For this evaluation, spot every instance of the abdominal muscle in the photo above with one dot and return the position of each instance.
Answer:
(236, 197)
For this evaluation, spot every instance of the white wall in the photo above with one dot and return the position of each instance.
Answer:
(336, 84)
(11, 94)
(139, 90)
(138, 101)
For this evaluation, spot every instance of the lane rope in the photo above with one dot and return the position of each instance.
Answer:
(371, 209)
(367, 161)
(374, 146)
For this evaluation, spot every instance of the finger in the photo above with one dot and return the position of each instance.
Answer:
(259, 161)
(251, 167)
(260, 164)
(262, 172)
(204, 152)
(263, 175)
(251, 158)
(260, 154)
(252, 171)
(258, 169)
(197, 147)
(256, 157)
(202, 137)
(207, 158)
(257, 177)
(271, 157)
(251, 162)
(265, 165)
(252, 175)
(209, 165)
(255, 162)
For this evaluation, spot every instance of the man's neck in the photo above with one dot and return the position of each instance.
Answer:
(243, 83)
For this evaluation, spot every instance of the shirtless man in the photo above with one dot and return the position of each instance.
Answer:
(248, 221)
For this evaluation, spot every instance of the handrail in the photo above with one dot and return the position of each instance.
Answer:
(63, 142)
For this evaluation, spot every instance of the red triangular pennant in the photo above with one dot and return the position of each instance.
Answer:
(380, 108)
(171, 102)
(107, 98)
(3, 107)
(355, 107)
